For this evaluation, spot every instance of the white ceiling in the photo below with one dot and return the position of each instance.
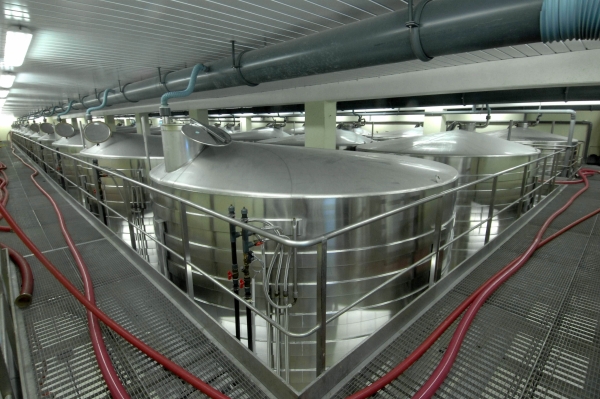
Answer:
(83, 45)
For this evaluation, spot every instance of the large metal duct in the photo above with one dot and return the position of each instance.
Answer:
(323, 191)
(446, 27)
(475, 156)
(124, 153)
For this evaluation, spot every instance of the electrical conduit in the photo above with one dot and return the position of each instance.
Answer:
(98, 314)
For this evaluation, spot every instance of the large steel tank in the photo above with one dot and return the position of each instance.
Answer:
(47, 156)
(263, 133)
(321, 191)
(547, 143)
(70, 143)
(475, 156)
(398, 134)
(344, 139)
(31, 130)
(124, 153)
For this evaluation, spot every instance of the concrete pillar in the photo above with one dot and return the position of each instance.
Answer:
(138, 122)
(245, 124)
(320, 124)
(110, 121)
(75, 123)
(434, 124)
(201, 115)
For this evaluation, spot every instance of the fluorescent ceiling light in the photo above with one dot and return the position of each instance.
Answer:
(4, 93)
(18, 40)
(7, 80)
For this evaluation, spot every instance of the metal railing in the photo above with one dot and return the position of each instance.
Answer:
(526, 199)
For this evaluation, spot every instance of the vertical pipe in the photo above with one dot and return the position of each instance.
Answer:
(98, 187)
(510, 126)
(321, 307)
(81, 134)
(234, 272)
(437, 239)
(127, 199)
(552, 128)
(569, 154)
(159, 229)
(145, 134)
(248, 257)
(523, 187)
(488, 228)
(185, 238)
(555, 160)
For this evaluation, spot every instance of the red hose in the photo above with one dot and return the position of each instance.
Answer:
(433, 337)
(115, 387)
(445, 365)
(91, 307)
(26, 293)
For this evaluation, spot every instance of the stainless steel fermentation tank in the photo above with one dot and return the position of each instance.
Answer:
(263, 133)
(398, 134)
(475, 156)
(70, 142)
(125, 154)
(48, 158)
(321, 191)
(547, 143)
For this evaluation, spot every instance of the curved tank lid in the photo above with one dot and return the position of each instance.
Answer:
(206, 134)
(47, 128)
(73, 141)
(126, 145)
(64, 130)
(36, 136)
(52, 137)
(289, 172)
(456, 143)
(343, 138)
(528, 135)
(397, 134)
(34, 127)
(263, 133)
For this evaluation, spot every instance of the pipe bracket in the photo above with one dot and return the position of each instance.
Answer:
(122, 90)
(415, 33)
(237, 61)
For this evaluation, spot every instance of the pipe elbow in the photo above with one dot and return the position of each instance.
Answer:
(164, 100)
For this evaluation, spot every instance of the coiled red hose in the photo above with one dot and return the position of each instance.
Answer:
(433, 337)
(96, 312)
(26, 294)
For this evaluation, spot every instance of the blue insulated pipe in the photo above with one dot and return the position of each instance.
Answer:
(88, 113)
(570, 20)
(164, 100)
(67, 110)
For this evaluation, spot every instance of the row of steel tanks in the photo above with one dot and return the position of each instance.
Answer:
(302, 193)
(475, 156)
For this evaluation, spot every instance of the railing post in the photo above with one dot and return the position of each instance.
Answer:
(127, 199)
(488, 228)
(555, 160)
(59, 170)
(185, 240)
(539, 193)
(321, 306)
(437, 239)
(98, 187)
(8, 351)
(523, 188)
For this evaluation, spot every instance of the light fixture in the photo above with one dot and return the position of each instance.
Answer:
(4, 93)
(18, 40)
(7, 80)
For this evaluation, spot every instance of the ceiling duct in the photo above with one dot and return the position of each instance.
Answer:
(444, 27)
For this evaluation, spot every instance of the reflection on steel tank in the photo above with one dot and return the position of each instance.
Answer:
(303, 192)
(345, 139)
(475, 156)
(124, 153)
(69, 143)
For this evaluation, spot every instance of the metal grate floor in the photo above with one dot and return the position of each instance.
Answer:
(538, 336)
(56, 327)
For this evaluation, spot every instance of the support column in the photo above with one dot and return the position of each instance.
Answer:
(434, 124)
(75, 123)
(245, 124)
(201, 115)
(110, 121)
(139, 121)
(320, 124)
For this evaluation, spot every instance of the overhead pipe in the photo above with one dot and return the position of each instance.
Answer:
(65, 111)
(445, 27)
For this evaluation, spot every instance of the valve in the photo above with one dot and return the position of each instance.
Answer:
(229, 275)
(242, 283)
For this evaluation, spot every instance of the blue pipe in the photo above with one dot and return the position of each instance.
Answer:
(570, 20)
(67, 111)
(164, 100)
(88, 113)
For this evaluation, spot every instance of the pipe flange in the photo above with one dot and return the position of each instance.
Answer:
(414, 28)
(122, 89)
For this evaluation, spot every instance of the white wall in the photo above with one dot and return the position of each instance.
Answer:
(5, 121)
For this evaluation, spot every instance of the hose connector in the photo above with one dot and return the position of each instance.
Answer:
(88, 113)
(66, 111)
